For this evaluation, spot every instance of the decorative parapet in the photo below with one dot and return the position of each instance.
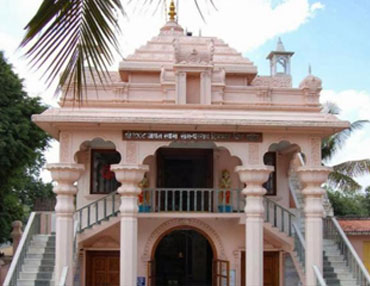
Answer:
(273, 81)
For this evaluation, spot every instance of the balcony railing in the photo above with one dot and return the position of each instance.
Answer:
(180, 200)
(191, 200)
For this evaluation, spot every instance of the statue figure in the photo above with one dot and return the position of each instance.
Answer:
(225, 185)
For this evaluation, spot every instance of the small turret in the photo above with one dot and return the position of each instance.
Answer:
(280, 60)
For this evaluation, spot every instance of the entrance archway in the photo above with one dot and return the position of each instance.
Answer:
(183, 257)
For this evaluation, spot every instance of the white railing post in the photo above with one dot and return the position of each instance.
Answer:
(319, 278)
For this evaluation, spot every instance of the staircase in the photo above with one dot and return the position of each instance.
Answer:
(341, 266)
(336, 272)
(38, 265)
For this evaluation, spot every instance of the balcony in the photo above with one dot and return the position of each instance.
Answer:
(184, 202)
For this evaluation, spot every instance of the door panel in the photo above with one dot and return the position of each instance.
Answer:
(270, 268)
(102, 268)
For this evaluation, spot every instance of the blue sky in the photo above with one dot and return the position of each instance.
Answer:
(336, 41)
(331, 35)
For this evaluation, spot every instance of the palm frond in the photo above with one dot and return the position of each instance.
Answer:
(354, 168)
(330, 107)
(66, 35)
(337, 180)
(335, 142)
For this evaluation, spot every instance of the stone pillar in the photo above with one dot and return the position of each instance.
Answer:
(129, 176)
(206, 87)
(16, 234)
(254, 177)
(181, 87)
(312, 179)
(65, 175)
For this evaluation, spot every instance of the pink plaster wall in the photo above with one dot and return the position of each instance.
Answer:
(282, 193)
(193, 88)
(147, 77)
(358, 242)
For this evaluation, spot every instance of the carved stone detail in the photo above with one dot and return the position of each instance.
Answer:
(65, 140)
(199, 55)
(253, 153)
(156, 234)
(315, 151)
(265, 94)
(121, 93)
(131, 152)
(273, 81)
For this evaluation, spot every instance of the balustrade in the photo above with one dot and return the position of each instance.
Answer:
(184, 200)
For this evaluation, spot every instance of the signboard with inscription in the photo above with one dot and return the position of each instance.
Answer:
(192, 136)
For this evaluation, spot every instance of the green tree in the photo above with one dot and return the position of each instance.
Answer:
(349, 204)
(22, 145)
(343, 174)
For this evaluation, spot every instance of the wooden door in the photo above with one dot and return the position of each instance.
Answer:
(151, 273)
(270, 268)
(366, 254)
(102, 268)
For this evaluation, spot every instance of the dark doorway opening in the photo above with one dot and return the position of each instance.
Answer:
(183, 258)
(184, 168)
(184, 172)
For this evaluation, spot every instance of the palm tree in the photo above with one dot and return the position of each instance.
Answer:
(343, 174)
(65, 36)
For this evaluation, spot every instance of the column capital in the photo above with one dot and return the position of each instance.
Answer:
(254, 176)
(129, 176)
(312, 179)
(65, 174)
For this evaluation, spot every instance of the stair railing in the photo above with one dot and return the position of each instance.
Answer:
(333, 231)
(32, 228)
(299, 245)
(63, 277)
(319, 278)
(98, 211)
(279, 216)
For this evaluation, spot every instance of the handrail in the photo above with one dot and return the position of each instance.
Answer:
(299, 245)
(97, 211)
(63, 277)
(319, 278)
(98, 200)
(278, 216)
(333, 230)
(33, 226)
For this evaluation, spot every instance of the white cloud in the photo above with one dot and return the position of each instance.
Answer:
(242, 24)
(317, 6)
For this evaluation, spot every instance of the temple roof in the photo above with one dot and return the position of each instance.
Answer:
(173, 47)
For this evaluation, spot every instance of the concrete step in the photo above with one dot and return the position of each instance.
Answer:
(34, 268)
(40, 256)
(36, 275)
(38, 282)
(40, 250)
(38, 262)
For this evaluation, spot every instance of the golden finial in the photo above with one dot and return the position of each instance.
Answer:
(172, 12)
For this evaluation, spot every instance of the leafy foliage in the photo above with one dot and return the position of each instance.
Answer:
(350, 204)
(66, 35)
(71, 33)
(21, 150)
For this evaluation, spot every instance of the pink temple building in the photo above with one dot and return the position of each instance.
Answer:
(189, 169)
